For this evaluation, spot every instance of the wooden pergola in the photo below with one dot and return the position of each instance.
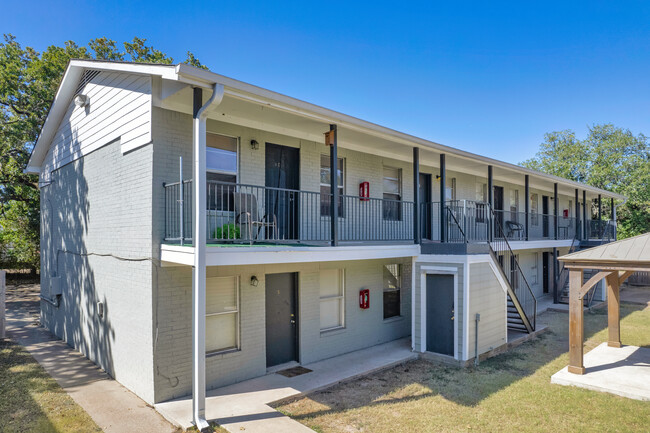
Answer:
(615, 262)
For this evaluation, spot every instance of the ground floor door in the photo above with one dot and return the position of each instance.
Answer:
(546, 274)
(425, 206)
(281, 318)
(440, 313)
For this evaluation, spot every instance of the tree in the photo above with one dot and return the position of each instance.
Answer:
(28, 83)
(610, 158)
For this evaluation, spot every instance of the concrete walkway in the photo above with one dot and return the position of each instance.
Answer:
(114, 408)
(245, 406)
(623, 371)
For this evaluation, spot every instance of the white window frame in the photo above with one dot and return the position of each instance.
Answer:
(341, 299)
(237, 320)
(534, 208)
(452, 194)
(399, 189)
(341, 188)
(535, 268)
(398, 289)
(238, 156)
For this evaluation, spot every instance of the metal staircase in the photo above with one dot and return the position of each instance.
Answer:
(522, 304)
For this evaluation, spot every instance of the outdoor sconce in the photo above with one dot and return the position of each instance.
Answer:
(438, 177)
(81, 100)
(255, 145)
(254, 281)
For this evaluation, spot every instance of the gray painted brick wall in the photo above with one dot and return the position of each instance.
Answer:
(101, 204)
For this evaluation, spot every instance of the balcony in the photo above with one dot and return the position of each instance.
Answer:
(240, 214)
(256, 215)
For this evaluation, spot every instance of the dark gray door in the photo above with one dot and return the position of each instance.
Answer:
(281, 318)
(546, 274)
(425, 206)
(498, 207)
(545, 219)
(440, 314)
(282, 173)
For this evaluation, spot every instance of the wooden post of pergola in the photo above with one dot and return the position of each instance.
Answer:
(615, 262)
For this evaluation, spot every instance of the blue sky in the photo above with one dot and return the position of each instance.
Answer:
(487, 77)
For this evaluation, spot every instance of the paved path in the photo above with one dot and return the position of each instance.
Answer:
(114, 408)
(244, 406)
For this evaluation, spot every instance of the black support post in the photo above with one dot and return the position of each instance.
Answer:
(527, 203)
(334, 205)
(556, 205)
(416, 195)
(556, 271)
(443, 199)
(577, 221)
(584, 215)
(490, 187)
(600, 208)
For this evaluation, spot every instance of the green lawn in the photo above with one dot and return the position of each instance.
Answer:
(31, 401)
(511, 392)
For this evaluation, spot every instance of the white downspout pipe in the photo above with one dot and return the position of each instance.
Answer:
(199, 240)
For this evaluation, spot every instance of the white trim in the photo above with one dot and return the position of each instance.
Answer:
(541, 244)
(467, 320)
(424, 270)
(413, 304)
(252, 255)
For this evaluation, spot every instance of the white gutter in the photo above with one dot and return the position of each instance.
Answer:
(199, 270)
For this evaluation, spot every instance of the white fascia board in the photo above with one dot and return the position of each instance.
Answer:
(243, 255)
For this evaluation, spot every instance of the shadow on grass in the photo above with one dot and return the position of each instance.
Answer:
(20, 378)
(468, 387)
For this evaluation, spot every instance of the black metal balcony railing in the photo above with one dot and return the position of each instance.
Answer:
(239, 213)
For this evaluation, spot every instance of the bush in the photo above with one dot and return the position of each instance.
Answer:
(227, 231)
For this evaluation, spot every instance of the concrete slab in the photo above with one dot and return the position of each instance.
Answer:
(635, 295)
(245, 406)
(114, 408)
(623, 371)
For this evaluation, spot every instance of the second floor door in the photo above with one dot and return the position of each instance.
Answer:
(282, 171)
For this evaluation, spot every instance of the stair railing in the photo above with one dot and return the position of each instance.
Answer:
(520, 292)
(563, 273)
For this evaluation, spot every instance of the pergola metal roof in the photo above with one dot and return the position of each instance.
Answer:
(631, 254)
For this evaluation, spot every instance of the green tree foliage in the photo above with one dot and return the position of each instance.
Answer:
(28, 83)
(610, 158)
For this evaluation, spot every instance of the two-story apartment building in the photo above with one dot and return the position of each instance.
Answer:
(198, 231)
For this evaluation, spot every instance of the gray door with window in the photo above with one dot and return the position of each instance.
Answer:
(440, 313)
(281, 318)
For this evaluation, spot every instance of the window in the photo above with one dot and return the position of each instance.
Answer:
(392, 184)
(570, 208)
(325, 186)
(450, 190)
(221, 166)
(534, 269)
(514, 274)
(222, 314)
(332, 299)
(534, 217)
(481, 198)
(514, 205)
(392, 290)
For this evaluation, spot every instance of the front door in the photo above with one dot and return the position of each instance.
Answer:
(498, 206)
(282, 170)
(545, 219)
(425, 205)
(546, 271)
(281, 318)
(440, 313)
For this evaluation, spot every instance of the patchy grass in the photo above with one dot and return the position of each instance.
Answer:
(511, 392)
(31, 401)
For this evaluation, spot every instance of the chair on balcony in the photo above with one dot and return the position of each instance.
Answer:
(514, 228)
(247, 215)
